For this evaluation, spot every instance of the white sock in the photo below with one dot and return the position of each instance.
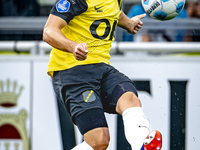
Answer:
(83, 146)
(136, 127)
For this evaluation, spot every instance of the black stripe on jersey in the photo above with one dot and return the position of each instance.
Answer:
(76, 8)
(120, 4)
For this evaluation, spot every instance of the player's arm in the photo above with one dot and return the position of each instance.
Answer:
(53, 35)
(131, 25)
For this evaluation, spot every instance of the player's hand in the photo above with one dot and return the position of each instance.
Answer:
(135, 24)
(81, 51)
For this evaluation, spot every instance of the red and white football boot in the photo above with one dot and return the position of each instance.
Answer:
(153, 141)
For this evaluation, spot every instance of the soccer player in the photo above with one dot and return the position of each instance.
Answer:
(80, 33)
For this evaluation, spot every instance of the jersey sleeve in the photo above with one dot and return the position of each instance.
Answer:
(67, 9)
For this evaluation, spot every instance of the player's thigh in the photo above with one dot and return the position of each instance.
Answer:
(115, 85)
(93, 126)
(78, 88)
(90, 119)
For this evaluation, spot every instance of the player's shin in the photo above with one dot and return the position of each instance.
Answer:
(136, 127)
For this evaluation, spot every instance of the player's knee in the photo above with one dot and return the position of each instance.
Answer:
(103, 139)
(133, 100)
(127, 100)
(103, 143)
(98, 138)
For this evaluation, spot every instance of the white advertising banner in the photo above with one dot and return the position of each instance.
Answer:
(46, 125)
(15, 104)
(168, 88)
(161, 73)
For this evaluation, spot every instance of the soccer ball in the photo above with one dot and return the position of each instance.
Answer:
(163, 9)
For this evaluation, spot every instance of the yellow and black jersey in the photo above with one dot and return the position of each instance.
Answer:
(88, 21)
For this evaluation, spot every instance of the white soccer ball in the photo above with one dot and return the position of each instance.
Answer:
(163, 9)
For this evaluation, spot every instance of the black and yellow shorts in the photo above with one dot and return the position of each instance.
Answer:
(91, 90)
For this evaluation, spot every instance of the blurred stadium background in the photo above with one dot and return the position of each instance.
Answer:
(163, 60)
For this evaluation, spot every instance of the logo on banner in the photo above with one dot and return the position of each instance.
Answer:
(13, 131)
(9, 93)
(63, 6)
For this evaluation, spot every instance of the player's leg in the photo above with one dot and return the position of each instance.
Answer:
(127, 100)
(135, 124)
(98, 138)
(93, 126)
(95, 139)
(80, 91)
(119, 95)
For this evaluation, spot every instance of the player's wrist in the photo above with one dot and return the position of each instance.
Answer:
(129, 25)
(71, 46)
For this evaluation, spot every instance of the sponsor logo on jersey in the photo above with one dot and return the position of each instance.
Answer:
(63, 6)
(97, 8)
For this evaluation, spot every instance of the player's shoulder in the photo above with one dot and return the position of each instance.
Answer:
(67, 9)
